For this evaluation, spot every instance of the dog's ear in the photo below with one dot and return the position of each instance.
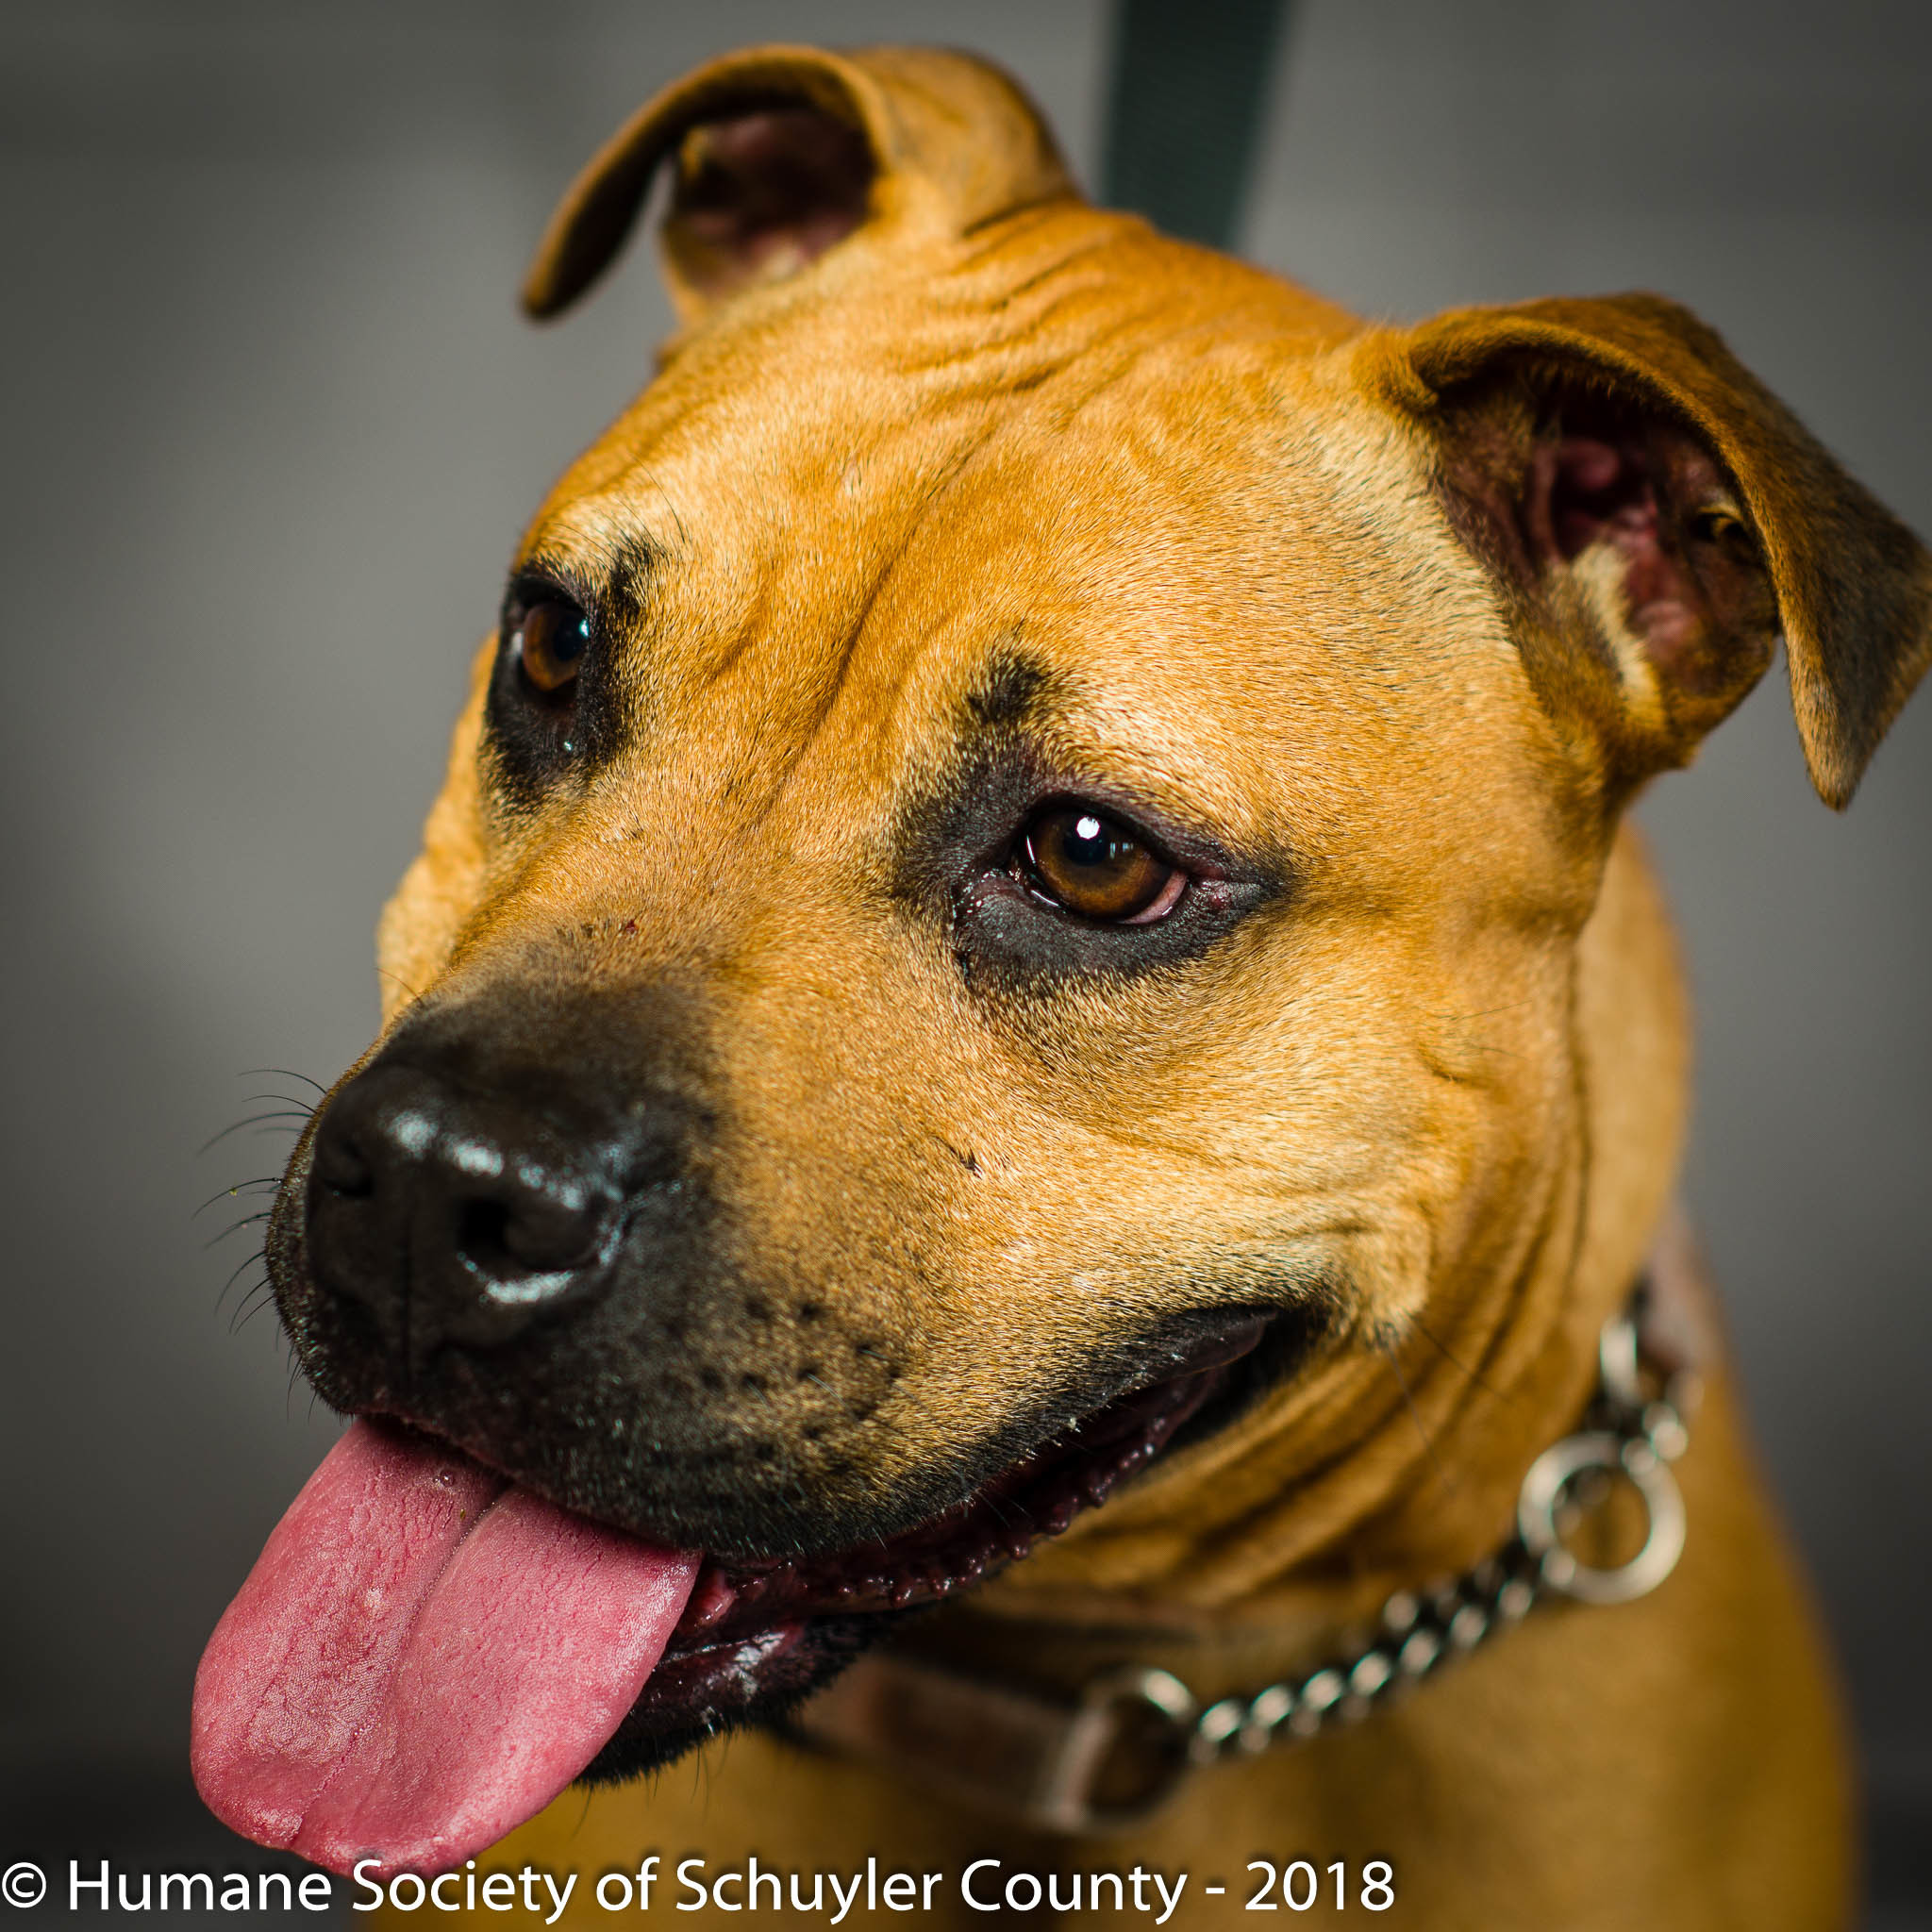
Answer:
(782, 152)
(1655, 518)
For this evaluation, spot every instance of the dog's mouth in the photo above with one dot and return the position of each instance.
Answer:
(757, 1634)
(426, 1653)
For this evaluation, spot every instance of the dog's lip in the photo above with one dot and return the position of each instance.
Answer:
(739, 1598)
(1035, 1496)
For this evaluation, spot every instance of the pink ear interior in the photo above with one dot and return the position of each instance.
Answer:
(1648, 490)
(767, 191)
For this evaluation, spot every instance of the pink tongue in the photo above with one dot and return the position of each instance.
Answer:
(422, 1658)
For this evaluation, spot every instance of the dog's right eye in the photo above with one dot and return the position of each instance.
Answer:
(1089, 863)
(549, 644)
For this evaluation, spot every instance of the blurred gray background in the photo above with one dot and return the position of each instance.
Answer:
(273, 424)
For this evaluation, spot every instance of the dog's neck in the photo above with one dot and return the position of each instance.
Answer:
(1087, 1729)
(1381, 1469)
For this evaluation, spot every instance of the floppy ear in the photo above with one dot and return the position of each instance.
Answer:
(1655, 518)
(782, 152)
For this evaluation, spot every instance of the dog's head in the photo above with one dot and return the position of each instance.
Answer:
(1011, 891)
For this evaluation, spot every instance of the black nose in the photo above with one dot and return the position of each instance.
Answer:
(458, 1217)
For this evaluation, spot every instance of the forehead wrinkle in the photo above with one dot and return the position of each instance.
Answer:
(786, 707)
(848, 654)
(950, 692)
(887, 670)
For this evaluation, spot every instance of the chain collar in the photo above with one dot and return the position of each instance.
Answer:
(1121, 1750)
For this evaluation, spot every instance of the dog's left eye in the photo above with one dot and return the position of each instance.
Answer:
(1091, 864)
(549, 641)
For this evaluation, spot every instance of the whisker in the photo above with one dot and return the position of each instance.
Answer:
(1385, 1349)
(255, 1121)
(397, 979)
(583, 1816)
(247, 1261)
(246, 1220)
(250, 1308)
(1487, 1388)
(282, 1073)
(684, 535)
(243, 1310)
(266, 1181)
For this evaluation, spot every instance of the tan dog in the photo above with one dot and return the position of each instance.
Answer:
(1049, 809)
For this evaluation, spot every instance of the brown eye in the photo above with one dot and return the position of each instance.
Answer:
(550, 642)
(1094, 866)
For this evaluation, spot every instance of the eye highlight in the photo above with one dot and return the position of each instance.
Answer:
(550, 642)
(1090, 864)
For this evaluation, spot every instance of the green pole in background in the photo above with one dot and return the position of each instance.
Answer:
(1184, 111)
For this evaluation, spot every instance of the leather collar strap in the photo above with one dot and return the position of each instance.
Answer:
(1122, 1749)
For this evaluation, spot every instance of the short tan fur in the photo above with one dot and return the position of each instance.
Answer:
(944, 459)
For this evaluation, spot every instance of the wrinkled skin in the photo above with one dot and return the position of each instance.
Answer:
(964, 498)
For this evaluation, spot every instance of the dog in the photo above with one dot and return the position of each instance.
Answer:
(1034, 1072)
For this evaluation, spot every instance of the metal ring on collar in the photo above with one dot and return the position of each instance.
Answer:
(1085, 1785)
(1543, 1489)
